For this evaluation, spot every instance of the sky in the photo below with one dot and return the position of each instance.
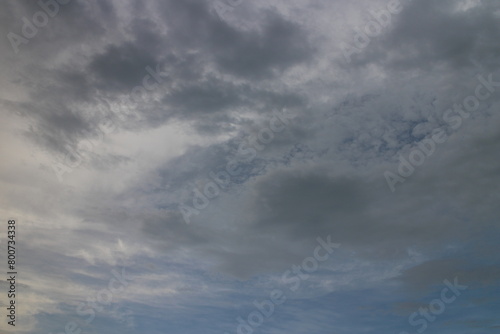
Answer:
(237, 166)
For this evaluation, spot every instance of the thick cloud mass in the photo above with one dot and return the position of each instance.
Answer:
(200, 148)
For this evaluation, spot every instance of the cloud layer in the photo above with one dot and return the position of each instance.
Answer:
(120, 115)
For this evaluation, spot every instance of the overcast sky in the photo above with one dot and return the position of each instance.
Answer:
(174, 164)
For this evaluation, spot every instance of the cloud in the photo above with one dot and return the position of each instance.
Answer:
(222, 80)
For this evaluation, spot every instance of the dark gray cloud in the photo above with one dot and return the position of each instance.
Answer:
(121, 67)
(429, 34)
(275, 46)
(185, 53)
(433, 273)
